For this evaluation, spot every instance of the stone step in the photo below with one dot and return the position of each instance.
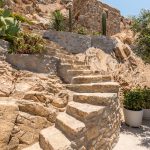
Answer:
(90, 79)
(84, 112)
(68, 66)
(72, 61)
(73, 73)
(35, 146)
(95, 98)
(78, 72)
(53, 139)
(72, 127)
(64, 56)
(103, 87)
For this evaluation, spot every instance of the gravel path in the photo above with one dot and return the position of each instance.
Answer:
(134, 138)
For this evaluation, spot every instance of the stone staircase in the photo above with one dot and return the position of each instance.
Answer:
(92, 118)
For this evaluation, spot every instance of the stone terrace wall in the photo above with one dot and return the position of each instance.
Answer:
(76, 43)
(35, 63)
(88, 13)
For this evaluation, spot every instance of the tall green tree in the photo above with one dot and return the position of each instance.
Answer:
(141, 26)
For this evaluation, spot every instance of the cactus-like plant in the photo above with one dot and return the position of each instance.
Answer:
(9, 26)
(58, 21)
(104, 28)
(70, 20)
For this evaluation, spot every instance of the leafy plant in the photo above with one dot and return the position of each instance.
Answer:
(96, 33)
(133, 100)
(16, 16)
(9, 27)
(20, 18)
(81, 30)
(141, 26)
(146, 98)
(27, 43)
(58, 21)
(2, 2)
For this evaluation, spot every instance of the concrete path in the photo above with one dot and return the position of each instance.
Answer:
(134, 138)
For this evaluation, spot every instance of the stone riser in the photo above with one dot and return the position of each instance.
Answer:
(102, 99)
(90, 79)
(94, 88)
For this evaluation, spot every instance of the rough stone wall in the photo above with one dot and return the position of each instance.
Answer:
(88, 13)
(105, 133)
(102, 131)
(35, 63)
(76, 43)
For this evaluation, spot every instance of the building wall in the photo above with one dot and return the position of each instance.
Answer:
(88, 13)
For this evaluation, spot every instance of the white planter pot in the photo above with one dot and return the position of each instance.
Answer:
(133, 118)
(146, 114)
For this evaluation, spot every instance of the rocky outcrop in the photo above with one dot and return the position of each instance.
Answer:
(121, 62)
(29, 102)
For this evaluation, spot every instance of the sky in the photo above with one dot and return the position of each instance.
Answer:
(129, 7)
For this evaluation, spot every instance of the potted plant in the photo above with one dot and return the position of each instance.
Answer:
(146, 106)
(133, 112)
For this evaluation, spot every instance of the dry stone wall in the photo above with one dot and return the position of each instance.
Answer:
(76, 43)
(88, 13)
(105, 133)
(35, 63)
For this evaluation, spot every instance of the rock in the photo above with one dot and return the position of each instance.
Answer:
(127, 50)
(57, 102)
(4, 45)
(36, 96)
(38, 109)
(132, 61)
(13, 144)
(8, 115)
(126, 36)
(33, 121)
(119, 51)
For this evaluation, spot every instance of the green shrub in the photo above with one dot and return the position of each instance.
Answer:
(27, 43)
(9, 27)
(20, 18)
(146, 98)
(96, 33)
(2, 2)
(58, 21)
(133, 100)
(141, 25)
(81, 30)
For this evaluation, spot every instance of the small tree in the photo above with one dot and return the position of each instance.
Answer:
(58, 21)
(141, 26)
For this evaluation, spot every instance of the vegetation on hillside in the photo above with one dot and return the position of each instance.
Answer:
(141, 26)
(27, 43)
(58, 21)
(9, 26)
(20, 41)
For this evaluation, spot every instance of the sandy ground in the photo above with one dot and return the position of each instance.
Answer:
(134, 138)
